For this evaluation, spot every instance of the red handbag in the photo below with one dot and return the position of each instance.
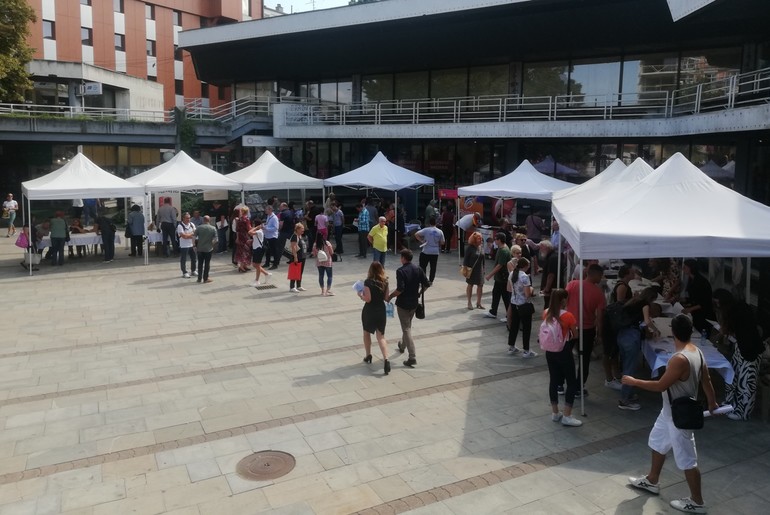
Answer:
(295, 271)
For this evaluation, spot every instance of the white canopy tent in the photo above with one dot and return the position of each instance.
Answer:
(379, 173)
(180, 173)
(717, 172)
(549, 166)
(268, 173)
(524, 182)
(79, 178)
(675, 211)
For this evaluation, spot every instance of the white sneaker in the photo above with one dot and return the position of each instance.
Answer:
(734, 416)
(194, 273)
(186, 275)
(489, 315)
(255, 284)
(556, 417)
(513, 350)
(644, 484)
(301, 289)
(571, 422)
(629, 405)
(687, 505)
(267, 278)
(529, 354)
(294, 290)
(613, 385)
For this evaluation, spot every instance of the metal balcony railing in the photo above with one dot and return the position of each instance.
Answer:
(85, 113)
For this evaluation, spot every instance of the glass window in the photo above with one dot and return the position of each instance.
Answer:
(439, 162)
(593, 80)
(120, 42)
(322, 161)
(709, 65)
(375, 88)
(645, 76)
(449, 83)
(412, 85)
(204, 90)
(179, 87)
(669, 149)
(152, 78)
(344, 92)
(545, 79)
(150, 47)
(286, 88)
(176, 18)
(244, 90)
(246, 8)
(309, 163)
(630, 153)
(149, 11)
(308, 90)
(117, 6)
(178, 53)
(408, 155)
(718, 162)
(85, 2)
(328, 91)
(49, 29)
(86, 36)
(607, 154)
(267, 89)
(488, 80)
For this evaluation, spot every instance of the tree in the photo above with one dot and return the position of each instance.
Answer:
(15, 53)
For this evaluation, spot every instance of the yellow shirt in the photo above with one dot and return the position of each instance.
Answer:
(379, 237)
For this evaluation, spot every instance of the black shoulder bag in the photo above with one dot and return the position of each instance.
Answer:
(420, 310)
(686, 411)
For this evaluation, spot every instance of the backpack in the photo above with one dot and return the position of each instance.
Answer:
(617, 317)
(550, 336)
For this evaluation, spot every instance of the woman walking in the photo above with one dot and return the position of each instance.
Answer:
(258, 251)
(373, 314)
(298, 255)
(322, 251)
(243, 241)
(561, 364)
(520, 309)
(474, 259)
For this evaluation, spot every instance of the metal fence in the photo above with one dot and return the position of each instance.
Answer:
(85, 113)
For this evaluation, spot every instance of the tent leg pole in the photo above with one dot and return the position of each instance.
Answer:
(395, 227)
(580, 354)
(558, 265)
(32, 244)
(748, 281)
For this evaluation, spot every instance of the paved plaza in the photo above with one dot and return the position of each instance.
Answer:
(127, 389)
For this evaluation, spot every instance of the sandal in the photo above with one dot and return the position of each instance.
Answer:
(479, 306)
(470, 307)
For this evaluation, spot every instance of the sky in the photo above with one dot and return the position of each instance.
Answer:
(305, 5)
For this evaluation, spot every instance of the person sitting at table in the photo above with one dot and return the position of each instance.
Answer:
(738, 331)
(42, 230)
(698, 302)
(666, 273)
(76, 227)
(629, 337)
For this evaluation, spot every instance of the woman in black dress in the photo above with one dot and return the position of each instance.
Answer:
(373, 315)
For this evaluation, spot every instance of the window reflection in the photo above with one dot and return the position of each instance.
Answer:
(488, 80)
(644, 77)
(595, 82)
(449, 83)
(376, 88)
(545, 79)
(411, 85)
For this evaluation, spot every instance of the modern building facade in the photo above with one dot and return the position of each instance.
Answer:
(465, 92)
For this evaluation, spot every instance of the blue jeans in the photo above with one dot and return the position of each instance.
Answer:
(378, 255)
(338, 239)
(328, 271)
(629, 344)
(57, 248)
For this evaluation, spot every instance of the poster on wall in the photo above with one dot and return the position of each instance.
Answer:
(492, 210)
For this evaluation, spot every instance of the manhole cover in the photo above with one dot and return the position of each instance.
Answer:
(265, 286)
(265, 465)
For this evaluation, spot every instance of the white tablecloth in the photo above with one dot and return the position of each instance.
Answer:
(154, 237)
(89, 238)
(658, 352)
(412, 227)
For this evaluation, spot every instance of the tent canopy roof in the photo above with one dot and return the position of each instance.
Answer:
(79, 178)
(675, 211)
(267, 173)
(183, 173)
(524, 182)
(382, 174)
(715, 171)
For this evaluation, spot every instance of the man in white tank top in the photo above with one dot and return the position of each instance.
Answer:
(685, 371)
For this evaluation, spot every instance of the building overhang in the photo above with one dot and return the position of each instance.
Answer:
(403, 35)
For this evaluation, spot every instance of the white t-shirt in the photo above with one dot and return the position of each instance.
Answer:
(518, 297)
(11, 205)
(432, 237)
(257, 239)
(185, 243)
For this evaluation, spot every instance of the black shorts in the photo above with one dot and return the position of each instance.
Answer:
(257, 255)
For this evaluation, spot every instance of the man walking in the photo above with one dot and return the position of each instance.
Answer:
(270, 228)
(432, 240)
(594, 303)
(686, 370)
(186, 233)
(285, 230)
(500, 274)
(166, 220)
(363, 231)
(409, 279)
(338, 219)
(205, 238)
(378, 237)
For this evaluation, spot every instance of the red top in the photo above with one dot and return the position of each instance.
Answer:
(593, 301)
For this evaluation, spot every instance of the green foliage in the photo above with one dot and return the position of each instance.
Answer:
(15, 16)
(186, 135)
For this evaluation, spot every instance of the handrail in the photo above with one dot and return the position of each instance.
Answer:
(85, 113)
